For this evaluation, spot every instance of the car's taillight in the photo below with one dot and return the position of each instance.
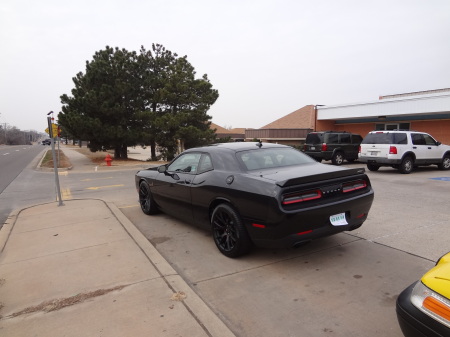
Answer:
(301, 196)
(324, 147)
(354, 186)
(359, 149)
(392, 150)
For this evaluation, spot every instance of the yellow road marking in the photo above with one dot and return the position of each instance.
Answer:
(65, 194)
(130, 206)
(89, 179)
(99, 187)
(63, 173)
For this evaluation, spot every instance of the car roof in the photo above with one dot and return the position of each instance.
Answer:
(395, 131)
(237, 146)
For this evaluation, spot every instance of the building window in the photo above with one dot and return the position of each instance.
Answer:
(392, 126)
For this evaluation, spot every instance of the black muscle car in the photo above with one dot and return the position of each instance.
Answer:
(249, 193)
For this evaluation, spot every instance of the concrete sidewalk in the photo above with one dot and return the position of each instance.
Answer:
(83, 269)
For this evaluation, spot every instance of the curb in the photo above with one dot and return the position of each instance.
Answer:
(202, 313)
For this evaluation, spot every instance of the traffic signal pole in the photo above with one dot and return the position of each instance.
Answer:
(55, 164)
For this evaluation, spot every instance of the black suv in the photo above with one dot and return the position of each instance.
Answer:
(333, 145)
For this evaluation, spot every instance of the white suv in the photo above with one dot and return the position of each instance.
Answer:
(403, 150)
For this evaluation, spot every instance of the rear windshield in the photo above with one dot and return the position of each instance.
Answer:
(314, 138)
(269, 158)
(385, 138)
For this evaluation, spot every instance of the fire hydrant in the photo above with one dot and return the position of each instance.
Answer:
(108, 160)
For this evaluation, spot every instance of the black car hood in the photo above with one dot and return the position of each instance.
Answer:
(301, 174)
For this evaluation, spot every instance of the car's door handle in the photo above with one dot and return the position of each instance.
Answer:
(429, 148)
(414, 147)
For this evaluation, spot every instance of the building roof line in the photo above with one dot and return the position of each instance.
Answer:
(384, 101)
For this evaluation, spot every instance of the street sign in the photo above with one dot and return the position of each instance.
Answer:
(54, 130)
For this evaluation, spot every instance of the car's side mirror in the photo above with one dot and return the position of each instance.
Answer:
(163, 169)
(438, 143)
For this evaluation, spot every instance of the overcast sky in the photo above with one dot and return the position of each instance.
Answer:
(266, 58)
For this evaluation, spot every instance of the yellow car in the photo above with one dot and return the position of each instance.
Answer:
(423, 309)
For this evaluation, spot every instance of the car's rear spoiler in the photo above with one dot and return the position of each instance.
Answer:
(320, 176)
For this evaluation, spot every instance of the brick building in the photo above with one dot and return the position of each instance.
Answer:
(427, 111)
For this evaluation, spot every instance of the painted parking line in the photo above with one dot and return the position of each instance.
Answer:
(100, 187)
(441, 178)
(90, 179)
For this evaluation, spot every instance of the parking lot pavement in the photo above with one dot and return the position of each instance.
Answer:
(410, 211)
(344, 285)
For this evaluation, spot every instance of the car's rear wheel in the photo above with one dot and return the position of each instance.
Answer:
(445, 164)
(229, 233)
(407, 165)
(372, 167)
(338, 158)
(146, 201)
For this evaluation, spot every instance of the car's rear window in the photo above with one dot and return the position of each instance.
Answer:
(385, 138)
(314, 138)
(271, 158)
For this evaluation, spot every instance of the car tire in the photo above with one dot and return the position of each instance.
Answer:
(148, 205)
(338, 158)
(407, 165)
(372, 167)
(229, 233)
(445, 164)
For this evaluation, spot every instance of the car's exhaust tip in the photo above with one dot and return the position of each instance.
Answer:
(299, 244)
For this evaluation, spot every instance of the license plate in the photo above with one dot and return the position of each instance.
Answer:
(312, 148)
(338, 220)
(373, 153)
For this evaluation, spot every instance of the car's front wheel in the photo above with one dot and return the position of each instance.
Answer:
(146, 201)
(338, 158)
(229, 233)
(445, 164)
(407, 165)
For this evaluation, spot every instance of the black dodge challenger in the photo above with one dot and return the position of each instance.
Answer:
(265, 194)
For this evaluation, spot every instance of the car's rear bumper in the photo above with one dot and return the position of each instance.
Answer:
(318, 155)
(379, 161)
(413, 322)
(289, 230)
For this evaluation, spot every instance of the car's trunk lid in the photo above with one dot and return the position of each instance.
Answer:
(307, 173)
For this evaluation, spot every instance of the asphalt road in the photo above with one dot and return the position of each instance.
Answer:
(13, 159)
(19, 182)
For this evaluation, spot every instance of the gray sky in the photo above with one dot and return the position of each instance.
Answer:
(266, 58)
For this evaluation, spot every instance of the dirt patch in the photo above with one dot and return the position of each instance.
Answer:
(178, 296)
(60, 303)
(63, 161)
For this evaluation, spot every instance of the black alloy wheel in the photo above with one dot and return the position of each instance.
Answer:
(146, 201)
(229, 233)
(338, 158)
